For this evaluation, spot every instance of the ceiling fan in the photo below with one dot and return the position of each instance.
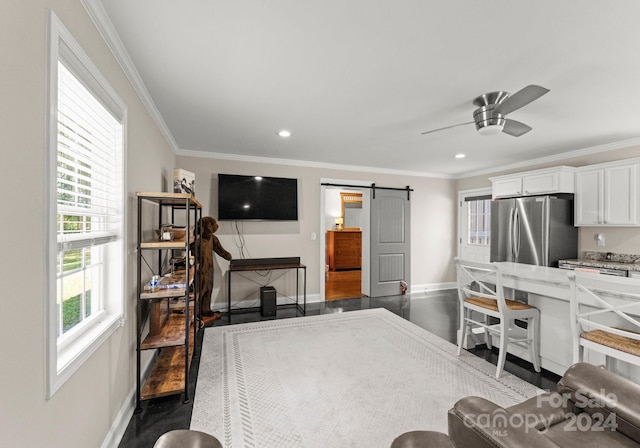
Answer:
(491, 115)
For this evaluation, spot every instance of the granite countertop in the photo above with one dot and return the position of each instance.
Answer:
(607, 260)
(603, 264)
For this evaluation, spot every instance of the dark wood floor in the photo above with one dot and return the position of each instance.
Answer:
(343, 284)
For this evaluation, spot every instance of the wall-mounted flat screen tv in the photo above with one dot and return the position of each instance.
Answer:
(257, 198)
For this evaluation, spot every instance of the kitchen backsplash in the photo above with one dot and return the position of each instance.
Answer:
(611, 256)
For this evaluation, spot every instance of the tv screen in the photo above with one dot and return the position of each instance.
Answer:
(257, 198)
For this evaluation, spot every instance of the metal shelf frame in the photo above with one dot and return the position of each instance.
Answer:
(192, 213)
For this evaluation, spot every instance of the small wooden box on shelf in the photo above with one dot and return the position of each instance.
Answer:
(166, 316)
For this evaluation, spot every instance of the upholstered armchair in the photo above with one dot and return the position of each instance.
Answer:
(592, 407)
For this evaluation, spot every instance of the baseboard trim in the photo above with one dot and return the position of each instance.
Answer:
(430, 287)
(121, 422)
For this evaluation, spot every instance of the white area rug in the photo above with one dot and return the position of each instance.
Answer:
(355, 379)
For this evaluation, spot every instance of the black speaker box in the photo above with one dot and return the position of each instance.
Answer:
(267, 301)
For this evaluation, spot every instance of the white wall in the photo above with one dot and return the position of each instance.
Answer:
(432, 220)
(332, 209)
(82, 412)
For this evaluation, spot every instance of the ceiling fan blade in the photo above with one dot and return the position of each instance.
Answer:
(515, 128)
(520, 98)
(447, 127)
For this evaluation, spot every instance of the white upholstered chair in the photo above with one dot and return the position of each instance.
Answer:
(480, 291)
(604, 316)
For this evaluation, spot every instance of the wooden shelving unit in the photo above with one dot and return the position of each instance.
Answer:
(171, 334)
(166, 319)
(168, 375)
(163, 293)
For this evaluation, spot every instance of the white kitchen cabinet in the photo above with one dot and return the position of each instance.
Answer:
(589, 197)
(504, 188)
(546, 181)
(607, 195)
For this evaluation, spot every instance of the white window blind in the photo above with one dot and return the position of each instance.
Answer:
(89, 138)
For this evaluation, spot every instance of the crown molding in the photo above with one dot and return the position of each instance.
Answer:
(101, 20)
(520, 165)
(307, 164)
(622, 144)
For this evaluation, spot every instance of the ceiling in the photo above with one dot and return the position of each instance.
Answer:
(357, 81)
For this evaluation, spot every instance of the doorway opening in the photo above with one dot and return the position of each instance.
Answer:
(344, 247)
(385, 236)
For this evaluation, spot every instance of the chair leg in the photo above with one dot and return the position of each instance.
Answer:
(487, 334)
(533, 333)
(577, 350)
(580, 353)
(504, 341)
(463, 329)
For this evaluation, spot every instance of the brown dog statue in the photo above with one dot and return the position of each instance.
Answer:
(209, 244)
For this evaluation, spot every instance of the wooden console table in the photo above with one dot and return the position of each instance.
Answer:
(268, 265)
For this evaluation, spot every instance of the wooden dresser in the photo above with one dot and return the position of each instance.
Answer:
(344, 249)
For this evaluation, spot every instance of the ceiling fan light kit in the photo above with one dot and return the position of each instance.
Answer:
(490, 117)
(489, 129)
(488, 121)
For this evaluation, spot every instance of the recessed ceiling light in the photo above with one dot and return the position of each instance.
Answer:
(284, 133)
(460, 156)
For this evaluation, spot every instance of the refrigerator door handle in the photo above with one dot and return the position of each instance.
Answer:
(516, 234)
(512, 242)
(546, 226)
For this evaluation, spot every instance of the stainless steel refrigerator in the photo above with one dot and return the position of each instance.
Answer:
(535, 230)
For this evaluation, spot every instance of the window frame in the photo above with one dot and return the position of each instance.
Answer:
(64, 357)
(486, 220)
